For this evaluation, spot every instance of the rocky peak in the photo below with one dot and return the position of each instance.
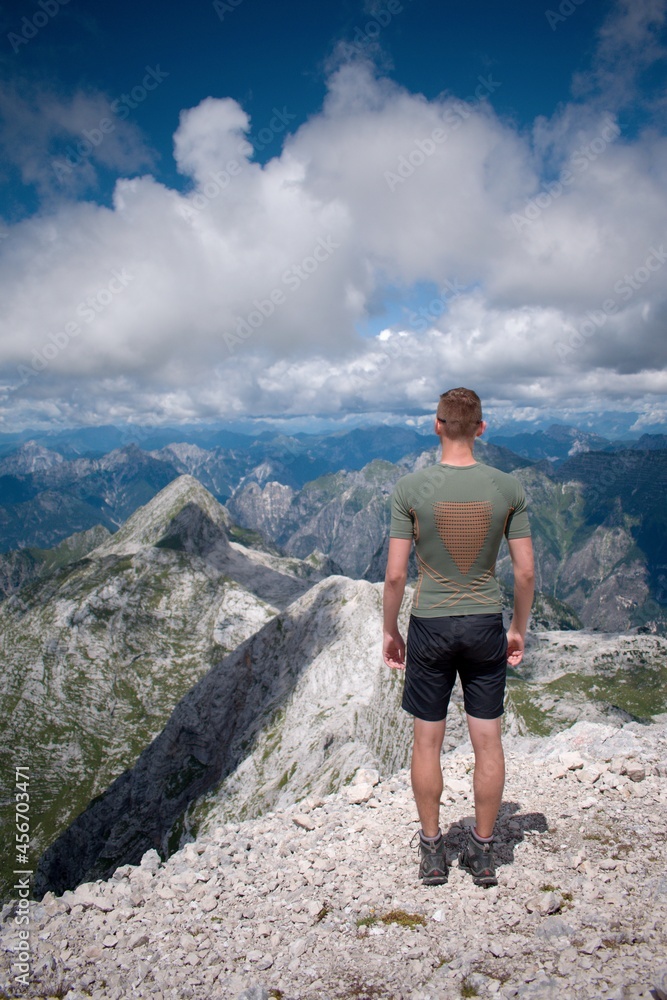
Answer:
(182, 515)
(30, 457)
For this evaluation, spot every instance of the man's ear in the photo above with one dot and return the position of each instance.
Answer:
(481, 427)
(437, 427)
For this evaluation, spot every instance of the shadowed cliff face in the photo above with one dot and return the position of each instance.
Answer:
(209, 733)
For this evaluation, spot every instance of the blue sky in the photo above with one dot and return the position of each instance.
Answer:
(267, 55)
(248, 208)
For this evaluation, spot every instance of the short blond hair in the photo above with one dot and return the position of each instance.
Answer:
(460, 410)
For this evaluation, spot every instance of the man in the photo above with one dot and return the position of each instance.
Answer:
(457, 513)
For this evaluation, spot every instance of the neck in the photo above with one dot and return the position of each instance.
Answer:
(457, 452)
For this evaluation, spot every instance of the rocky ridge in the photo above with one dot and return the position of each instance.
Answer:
(322, 900)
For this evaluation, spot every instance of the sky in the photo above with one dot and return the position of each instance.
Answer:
(330, 212)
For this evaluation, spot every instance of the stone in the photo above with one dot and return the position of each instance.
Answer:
(137, 940)
(366, 776)
(458, 786)
(263, 900)
(305, 822)
(151, 861)
(588, 774)
(571, 760)
(88, 900)
(591, 945)
(358, 793)
(545, 903)
(298, 947)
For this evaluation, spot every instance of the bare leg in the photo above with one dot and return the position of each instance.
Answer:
(426, 773)
(489, 777)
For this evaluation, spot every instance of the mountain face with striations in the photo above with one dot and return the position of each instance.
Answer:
(598, 525)
(597, 516)
(98, 648)
(344, 514)
(23, 566)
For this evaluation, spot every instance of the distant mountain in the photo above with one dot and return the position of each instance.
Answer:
(555, 444)
(45, 497)
(93, 442)
(558, 443)
(598, 528)
(599, 531)
(627, 495)
(45, 501)
(647, 442)
(97, 651)
(598, 524)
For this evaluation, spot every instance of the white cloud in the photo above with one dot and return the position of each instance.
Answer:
(245, 295)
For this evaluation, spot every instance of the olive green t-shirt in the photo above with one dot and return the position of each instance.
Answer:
(457, 516)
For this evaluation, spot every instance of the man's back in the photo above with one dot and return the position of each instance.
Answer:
(457, 513)
(457, 516)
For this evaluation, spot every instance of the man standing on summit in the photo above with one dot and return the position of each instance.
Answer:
(457, 513)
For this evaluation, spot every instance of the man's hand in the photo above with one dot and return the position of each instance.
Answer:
(393, 650)
(514, 647)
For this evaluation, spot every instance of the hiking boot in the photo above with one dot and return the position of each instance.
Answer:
(478, 859)
(433, 862)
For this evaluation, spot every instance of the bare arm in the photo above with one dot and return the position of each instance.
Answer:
(521, 554)
(393, 647)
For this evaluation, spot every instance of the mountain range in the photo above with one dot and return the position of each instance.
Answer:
(177, 662)
(597, 517)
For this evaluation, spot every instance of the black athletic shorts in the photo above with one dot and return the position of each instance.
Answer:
(474, 646)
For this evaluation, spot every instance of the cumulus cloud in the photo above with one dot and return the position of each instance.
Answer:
(246, 294)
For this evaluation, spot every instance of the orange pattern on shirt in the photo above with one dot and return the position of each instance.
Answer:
(463, 528)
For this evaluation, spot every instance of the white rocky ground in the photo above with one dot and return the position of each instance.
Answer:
(322, 900)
